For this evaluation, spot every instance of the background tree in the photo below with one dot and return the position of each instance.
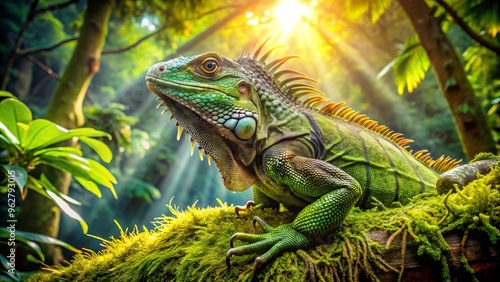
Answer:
(472, 127)
(65, 109)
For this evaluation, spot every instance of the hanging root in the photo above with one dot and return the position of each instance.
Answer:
(339, 267)
(394, 235)
(404, 230)
(310, 266)
(448, 210)
(347, 254)
(403, 255)
(463, 259)
(366, 265)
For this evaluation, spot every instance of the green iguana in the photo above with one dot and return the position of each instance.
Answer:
(317, 158)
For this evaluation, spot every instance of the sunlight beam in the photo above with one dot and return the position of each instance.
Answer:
(289, 13)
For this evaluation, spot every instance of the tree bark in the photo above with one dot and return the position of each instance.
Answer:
(482, 256)
(65, 107)
(39, 214)
(469, 118)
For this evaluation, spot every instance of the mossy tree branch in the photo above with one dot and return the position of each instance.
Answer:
(430, 241)
(54, 7)
(32, 51)
(135, 44)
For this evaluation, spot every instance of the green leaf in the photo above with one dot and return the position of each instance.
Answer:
(89, 132)
(69, 211)
(36, 185)
(19, 173)
(5, 262)
(58, 152)
(12, 112)
(41, 238)
(31, 258)
(5, 142)
(371, 8)
(86, 171)
(62, 204)
(81, 167)
(75, 167)
(89, 185)
(99, 147)
(386, 68)
(103, 170)
(6, 94)
(5, 233)
(42, 133)
(34, 246)
(493, 109)
(106, 174)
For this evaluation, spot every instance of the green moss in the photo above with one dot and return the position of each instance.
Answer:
(191, 246)
(485, 156)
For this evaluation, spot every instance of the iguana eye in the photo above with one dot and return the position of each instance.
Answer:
(210, 65)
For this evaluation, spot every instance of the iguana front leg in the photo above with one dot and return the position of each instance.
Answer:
(331, 191)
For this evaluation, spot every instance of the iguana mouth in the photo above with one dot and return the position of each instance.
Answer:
(211, 143)
(180, 113)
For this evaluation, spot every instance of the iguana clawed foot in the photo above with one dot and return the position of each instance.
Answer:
(274, 241)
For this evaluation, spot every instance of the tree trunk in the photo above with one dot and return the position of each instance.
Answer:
(38, 214)
(468, 116)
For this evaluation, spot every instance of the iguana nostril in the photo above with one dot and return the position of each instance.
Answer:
(242, 88)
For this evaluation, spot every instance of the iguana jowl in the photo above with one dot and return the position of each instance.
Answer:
(317, 158)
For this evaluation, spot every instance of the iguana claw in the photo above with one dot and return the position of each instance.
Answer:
(255, 266)
(247, 206)
(229, 254)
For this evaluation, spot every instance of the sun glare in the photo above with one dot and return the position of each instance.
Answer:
(291, 12)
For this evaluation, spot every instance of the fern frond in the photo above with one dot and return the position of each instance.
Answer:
(481, 15)
(373, 8)
(411, 66)
(480, 61)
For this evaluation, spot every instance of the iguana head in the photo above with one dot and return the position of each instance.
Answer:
(211, 97)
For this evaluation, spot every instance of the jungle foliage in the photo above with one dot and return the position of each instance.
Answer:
(27, 144)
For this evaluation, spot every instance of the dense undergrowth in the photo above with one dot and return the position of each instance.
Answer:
(191, 246)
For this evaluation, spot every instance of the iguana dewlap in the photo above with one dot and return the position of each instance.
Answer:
(264, 129)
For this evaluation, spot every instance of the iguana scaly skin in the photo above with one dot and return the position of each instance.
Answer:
(315, 157)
